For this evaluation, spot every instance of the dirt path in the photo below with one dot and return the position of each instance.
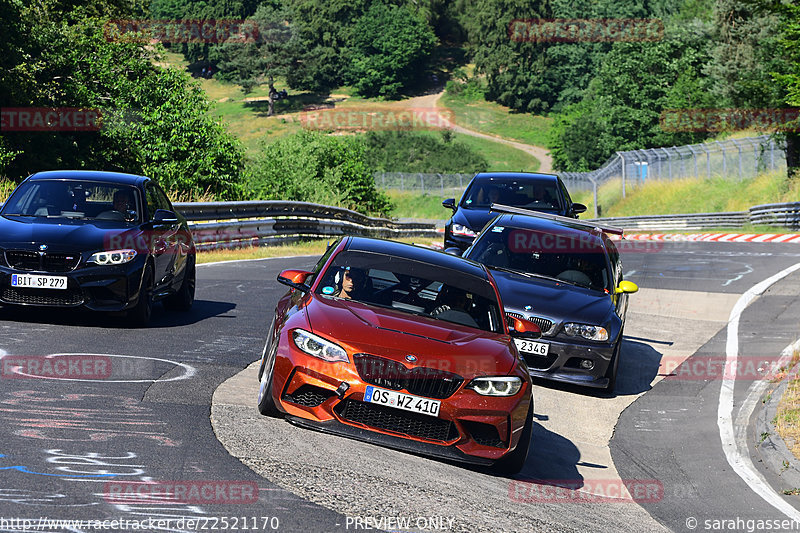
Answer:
(432, 101)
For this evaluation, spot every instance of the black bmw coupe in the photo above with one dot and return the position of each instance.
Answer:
(102, 240)
(566, 276)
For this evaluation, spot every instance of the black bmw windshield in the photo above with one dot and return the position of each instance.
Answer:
(579, 259)
(532, 194)
(75, 199)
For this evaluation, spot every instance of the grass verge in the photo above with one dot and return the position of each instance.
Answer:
(495, 119)
(691, 195)
(787, 418)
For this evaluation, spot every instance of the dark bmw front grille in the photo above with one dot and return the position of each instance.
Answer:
(422, 381)
(43, 262)
(397, 421)
(66, 297)
(540, 362)
(308, 396)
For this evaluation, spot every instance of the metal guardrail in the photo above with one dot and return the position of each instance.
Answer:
(695, 221)
(787, 215)
(237, 224)
(255, 223)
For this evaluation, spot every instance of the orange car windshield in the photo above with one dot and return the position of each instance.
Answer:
(413, 287)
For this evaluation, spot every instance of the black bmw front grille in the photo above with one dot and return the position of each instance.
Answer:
(68, 297)
(308, 396)
(42, 262)
(540, 362)
(397, 421)
(422, 381)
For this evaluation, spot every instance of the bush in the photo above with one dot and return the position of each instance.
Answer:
(314, 167)
(470, 91)
(405, 151)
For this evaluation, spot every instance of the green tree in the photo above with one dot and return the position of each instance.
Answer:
(622, 107)
(387, 49)
(757, 47)
(313, 167)
(253, 63)
(154, 121)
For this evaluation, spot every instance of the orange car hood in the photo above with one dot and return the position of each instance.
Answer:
(395, 334)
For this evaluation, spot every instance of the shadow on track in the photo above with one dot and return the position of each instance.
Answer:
(201, 310)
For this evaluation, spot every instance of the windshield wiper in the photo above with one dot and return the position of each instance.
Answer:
(17, 215)
(522, 273)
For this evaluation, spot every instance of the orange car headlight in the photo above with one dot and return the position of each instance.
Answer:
(498, 386)
(316, 346)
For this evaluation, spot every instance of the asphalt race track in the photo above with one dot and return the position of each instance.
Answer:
(138, 410)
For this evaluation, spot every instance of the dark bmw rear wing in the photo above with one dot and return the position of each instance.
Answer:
(499, 208)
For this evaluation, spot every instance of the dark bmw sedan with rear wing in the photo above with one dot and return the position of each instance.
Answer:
(566, 276)
(541, 192)
(104, 241)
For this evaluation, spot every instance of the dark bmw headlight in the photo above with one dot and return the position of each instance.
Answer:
(593, 333)
(462, 231)
(497, 386)
(113, 257)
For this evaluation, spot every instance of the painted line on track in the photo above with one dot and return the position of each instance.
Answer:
(739, 461)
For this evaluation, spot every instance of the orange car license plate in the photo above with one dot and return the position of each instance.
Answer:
(400, 400)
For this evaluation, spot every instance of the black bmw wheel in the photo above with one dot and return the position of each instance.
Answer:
(613, 366)
(184, 298)
(141, 313)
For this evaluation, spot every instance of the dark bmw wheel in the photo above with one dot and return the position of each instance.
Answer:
(141, 313)
(613, 366)
(184, 298)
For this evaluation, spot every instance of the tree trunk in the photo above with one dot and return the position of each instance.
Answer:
(793, 154)
(272, 94)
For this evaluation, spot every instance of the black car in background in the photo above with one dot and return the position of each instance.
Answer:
(540, 192)
(566, 277)
(101, 240)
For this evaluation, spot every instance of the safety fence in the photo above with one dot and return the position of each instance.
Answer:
(420, 182)
(258, 223)
(735, 159)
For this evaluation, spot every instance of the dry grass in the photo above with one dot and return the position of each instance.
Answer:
(787, 418)
(6, 187)
(310, 247)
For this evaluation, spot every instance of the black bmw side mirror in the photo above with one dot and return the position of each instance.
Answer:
(163, 216)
